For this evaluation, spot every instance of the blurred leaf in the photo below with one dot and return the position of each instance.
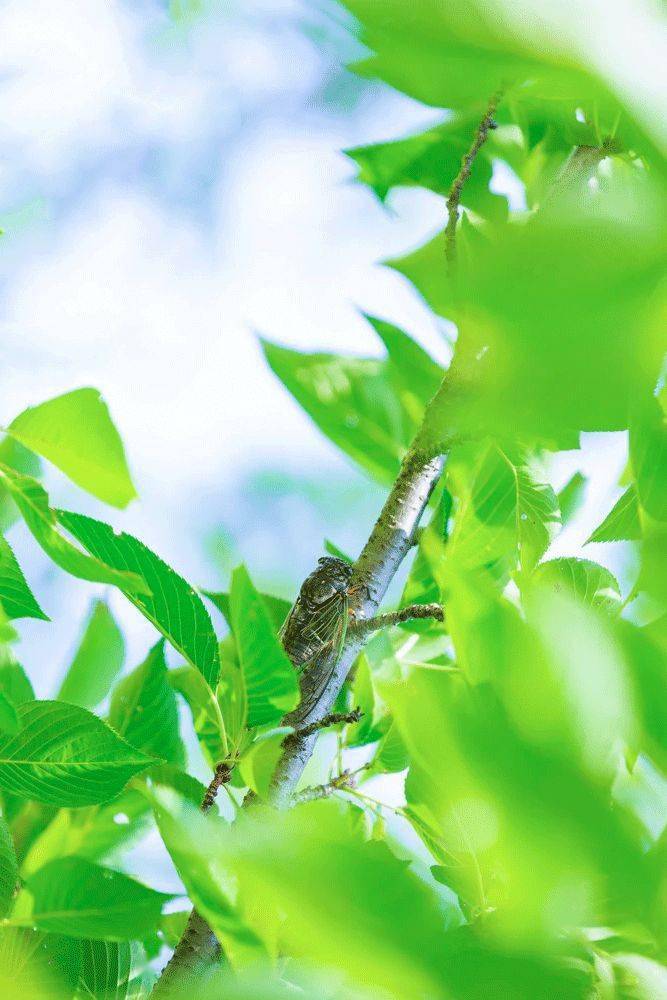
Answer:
(333, 550)
(143, 709)
(16, 598)
(271, 682)
(622, 522)
(36, 966)
(648, 454)
(19, 458)
(65, 756)
(105, 970)
(9, 717)
(76, 433)
(9, 871)
(571, 497)
(277, 607)
(391, 755)
(258, 763)
(75, 897)
(354, 401)
(173, 606)
(97, 661)
(589, 582)
(14, 682)
(432, 160)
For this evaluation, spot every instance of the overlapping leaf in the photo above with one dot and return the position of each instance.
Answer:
(65, 756)
(16, 597)
(8, 869)
(96, 662)
(622, 522)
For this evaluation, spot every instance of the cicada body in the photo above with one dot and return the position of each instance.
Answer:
(320, 613)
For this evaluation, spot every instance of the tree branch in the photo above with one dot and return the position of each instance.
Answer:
(485, 126)
(342, 781)
(362, 629)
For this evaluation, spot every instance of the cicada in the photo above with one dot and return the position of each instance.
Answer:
(320, 613)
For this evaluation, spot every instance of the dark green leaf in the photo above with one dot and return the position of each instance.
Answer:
(571, 497)
(277, 607)
(16, 597)
(9, 717)
(96, 662)
(105, 970)
(9, 871)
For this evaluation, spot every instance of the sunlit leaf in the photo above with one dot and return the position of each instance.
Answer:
(622, 522)
(16, 598)
(96, 662)
(105, 970)
(8, 869)
(76, 433)
(590, 583)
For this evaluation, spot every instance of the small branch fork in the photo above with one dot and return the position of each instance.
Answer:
(363, 627)
(486, 125)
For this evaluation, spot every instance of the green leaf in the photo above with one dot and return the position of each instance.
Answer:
(33, 503)
(20, 459)
(432, 160)
(587, 581)
(648, 454)
(9, 871)
(36, 966)
(144, 712)
(9, 717)
(97, 661)
(14, 682)
(174, 607)
(76, 433)
(622, 522)
(65, 756)
(571, 497)
(353, 402)
(271, 682)
(16, 597)
(332, 549)
(258, 763)
(105, 970)
(277, 607)
(207, 716)
(75, 897)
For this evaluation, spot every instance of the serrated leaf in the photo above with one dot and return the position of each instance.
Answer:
(105, 970)
(76, 433)
(97, 661)
(622, 522)
(143, 709)
(590, 583)
(271, 682)
(173, 606)
(207, 717)
(16, 597)
(9, 871)
(66, 756)
(33, 503)
(75, 897)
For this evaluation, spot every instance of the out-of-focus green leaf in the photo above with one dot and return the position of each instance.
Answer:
(332, 549)
(97, 661)
(590, 583)
(648, 454)
(76, 433)
(143, 709)
(431, 159)
(14, 682)
(9, 871)
(16, 597)
(37, 966)
(258, 763)
(270, 679)
(622, 522)
(646, 652)
(105, 970)
(173, 606)
(363, 405)
(75, 897)
(571, 497)
(65, 756)
(9, 717)
(513, 369)
(19, 458)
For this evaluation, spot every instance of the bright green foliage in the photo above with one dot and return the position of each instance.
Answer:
(590, 583)
(207, 716)
(9, 717)
(75, 432)
(16, 598)
(270, 680)
(622, 521)
(19, 458)
(74, 897)
(65, 756)
(8, 868)
(173, 606)
(371, 409)
(143, 709)
(97, 661)
(105, 969)
(648, 454)
(571, 497)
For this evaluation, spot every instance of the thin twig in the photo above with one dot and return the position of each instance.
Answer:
(363, 627)
(331, 719)
(222, 774)
(341, 782)
(453, 201)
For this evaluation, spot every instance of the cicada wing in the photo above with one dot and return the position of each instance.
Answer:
(335, 631)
